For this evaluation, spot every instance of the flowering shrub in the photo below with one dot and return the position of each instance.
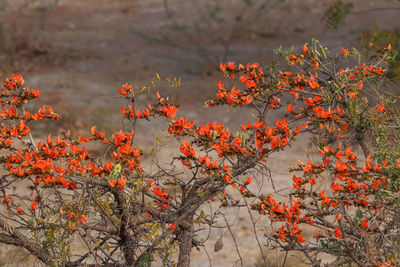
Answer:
(125, 214)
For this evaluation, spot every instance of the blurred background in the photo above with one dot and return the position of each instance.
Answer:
(79, 52)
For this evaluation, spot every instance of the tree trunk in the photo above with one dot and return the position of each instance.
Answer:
(185, 238)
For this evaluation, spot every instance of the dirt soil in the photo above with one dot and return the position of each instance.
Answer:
(78, 53)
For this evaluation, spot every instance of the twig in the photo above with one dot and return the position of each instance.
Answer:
(255, 233)
(234, 239)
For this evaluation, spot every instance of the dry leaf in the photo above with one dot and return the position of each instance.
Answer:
(218, 245)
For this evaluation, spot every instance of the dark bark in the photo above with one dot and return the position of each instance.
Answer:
(126, 242)
(366, 150)
(185, 238)
(18, 239)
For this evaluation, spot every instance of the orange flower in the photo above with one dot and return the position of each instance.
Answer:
(344, 51)
(82, 218)
(19, 210)
(305, 49)
(34, 205)
(20, 81)
(352, 95)
(380, 107)
(187, 149)
(290, 108)
(325, 200)
(170, 111)
(338, 234)
(231, 65)
(300, 238)
(277, 209)
(119, 138)
(112, 183)
(313, 83)
(121, 91)
(309, 101)
(248, 180)
(349, 154)
(222, 66)
(293, 59)
(4, 200)
(127, 87)
(237, 142)
(227, 179)
(315, 64)
(94, 132)
(336, 187)
(40, 165)
(364, 224)
(341, 166)
(360, 85)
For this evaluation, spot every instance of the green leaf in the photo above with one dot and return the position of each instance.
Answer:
(115, 172)
(336, 14)
(145, 260)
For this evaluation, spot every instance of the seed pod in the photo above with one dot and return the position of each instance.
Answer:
(218, 244)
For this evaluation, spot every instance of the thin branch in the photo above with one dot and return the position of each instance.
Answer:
(255, 233)
(234, 239)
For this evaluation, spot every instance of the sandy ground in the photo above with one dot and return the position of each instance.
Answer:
(78, 53)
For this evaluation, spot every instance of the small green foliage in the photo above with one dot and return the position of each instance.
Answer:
(334, 246)
(115, 172)
(336, 14)
(381, 39)
(284, 52)
(145, 260)
(318, 50)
